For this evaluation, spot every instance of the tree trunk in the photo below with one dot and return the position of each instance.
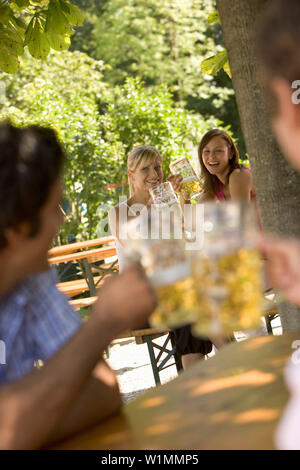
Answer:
(277, 184)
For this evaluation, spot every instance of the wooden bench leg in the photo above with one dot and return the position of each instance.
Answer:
(177, 355)
(155, 369)
(268, 319)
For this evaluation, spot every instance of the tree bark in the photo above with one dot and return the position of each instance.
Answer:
(277, 184)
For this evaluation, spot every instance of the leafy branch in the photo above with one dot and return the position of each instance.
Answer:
(38, 24)
(212, 65)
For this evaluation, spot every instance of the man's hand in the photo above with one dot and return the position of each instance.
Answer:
(126, 300)
(283, 265)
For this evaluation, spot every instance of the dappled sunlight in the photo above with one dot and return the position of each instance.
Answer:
(253, 378)
(256, 415)
(256, 343)
(161, 428)
(165, 423)
(116, 437)
(152, 402)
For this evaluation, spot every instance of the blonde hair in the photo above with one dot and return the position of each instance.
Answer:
(138, 156)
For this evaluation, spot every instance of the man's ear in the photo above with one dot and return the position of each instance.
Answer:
(286, 108)
(15, 236)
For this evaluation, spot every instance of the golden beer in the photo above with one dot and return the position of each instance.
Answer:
(176, 295)
(229, 292)
(191, 187)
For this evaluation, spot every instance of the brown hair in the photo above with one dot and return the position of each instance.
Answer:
(31, 161)
(138, 156)
(211, 182)
(277, 43)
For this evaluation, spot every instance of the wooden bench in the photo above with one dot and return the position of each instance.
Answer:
(73, 247)
(79, 286)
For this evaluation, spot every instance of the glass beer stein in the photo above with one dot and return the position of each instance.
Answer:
(164, 260)
(228, 271)
(191, 186)
(165, 203)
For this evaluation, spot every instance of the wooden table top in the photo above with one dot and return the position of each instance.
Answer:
(231, 401)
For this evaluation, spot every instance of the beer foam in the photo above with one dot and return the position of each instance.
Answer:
(189, 178)
(169, 275)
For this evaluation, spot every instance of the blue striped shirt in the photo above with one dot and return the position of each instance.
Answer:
(36, 320)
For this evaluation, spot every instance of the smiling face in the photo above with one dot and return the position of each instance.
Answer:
(216, 155)
(147, 175)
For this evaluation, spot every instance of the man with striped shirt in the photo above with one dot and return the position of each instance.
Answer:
(75, 388)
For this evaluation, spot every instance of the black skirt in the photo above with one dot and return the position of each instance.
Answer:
(186, 343)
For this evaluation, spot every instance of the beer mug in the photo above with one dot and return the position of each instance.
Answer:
(191, 186)
(166, 203)
(227, 272)
(164, 260)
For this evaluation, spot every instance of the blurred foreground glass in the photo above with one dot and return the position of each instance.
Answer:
(165, 264)
(165, 203)
(191, 186)
(228, 271)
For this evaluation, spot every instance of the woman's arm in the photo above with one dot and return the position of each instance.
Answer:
(240, 185)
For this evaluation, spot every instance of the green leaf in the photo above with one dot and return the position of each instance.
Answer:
(4, 14)
(56, 21)
(58, 41)
(38, 44)
(13, 40)
(21, 3)
(75, 15)
(18, 23)
(9, 61)
(214, 17)
(226, 67)
(29, 31)
(214, 64)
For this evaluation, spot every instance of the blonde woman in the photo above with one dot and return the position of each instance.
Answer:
(144, 170)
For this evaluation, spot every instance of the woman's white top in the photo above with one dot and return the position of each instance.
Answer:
(119, 247)
(120, 254)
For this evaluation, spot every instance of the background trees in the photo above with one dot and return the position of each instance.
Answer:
(161, 41)
(98, 126)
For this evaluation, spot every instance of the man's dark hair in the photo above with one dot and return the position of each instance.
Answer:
(31, 161)
(278, 40)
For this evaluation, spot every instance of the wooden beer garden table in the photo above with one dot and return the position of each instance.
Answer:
(231, 401)
(85, 257)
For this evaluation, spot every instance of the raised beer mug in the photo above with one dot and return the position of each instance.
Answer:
(163, 258)
(228, 271)
(191, 186)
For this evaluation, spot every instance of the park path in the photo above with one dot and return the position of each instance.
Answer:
(131, 363)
